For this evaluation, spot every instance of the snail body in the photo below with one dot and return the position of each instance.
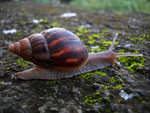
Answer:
(58, 53)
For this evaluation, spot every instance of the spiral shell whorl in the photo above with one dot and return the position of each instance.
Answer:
(22, 48)
(40, 51)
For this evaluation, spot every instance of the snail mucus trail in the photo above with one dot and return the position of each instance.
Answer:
(58, 53)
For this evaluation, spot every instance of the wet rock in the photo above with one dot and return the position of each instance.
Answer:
(47, 107)
(78, 111)
(1, 73)
(63, 110)
(54, 109)
(101, 79)
(97, 86)
(120, 108)
(143, 109)
(91, 110)
(77, 93)
(63, 89)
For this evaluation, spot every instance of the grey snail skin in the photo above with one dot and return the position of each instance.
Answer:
(58, 53)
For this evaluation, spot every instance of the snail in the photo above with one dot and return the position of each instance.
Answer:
(58, 54)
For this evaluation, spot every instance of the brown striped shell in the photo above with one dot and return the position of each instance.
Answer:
(56, 47)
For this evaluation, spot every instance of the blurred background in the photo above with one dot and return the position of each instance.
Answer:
(119, 5)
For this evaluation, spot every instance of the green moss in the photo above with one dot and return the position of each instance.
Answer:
(118, 101)
(120, 80)
(55, 24)
(119, 86)
(7, 68)
(22, 62)
(112, 80)
(82, 29)
(44, 21)
(138, 40)
(92, 99)
(1, 82)
(100, 73)
(26, 13)
(2, 8)
(105, 31)
(91, 41)
(143, 102)
(88, 76)
(96, 98)
(96, 35)
(19, 33)
(52, 81)
(21, 21)
(133, 63)
(79, 35)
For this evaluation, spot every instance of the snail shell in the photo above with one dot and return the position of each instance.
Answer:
(56, 48)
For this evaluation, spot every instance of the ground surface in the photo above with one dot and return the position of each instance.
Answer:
(118, 89)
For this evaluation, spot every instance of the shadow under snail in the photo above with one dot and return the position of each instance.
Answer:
(58, 53)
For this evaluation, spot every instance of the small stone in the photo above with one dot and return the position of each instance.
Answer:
(63, 110)
(1, 73)
(78, 111)
(97, 86)
(54, 109)
(63, 89)
(92, 110)
(120, 108)
(45, 107)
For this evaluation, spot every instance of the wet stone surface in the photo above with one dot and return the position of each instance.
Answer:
(118, 89)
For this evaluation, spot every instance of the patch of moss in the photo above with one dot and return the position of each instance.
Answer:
(1, 82)
(138, 40)
(118, 86)
(2, 8)
(55, 24)
(105, 86)
(19, 33)
(112, 80)
(88, 76)
(141, 38)
(133, 63)
(105, 30)
(21, 21)
(82, 29)
(118, 100)
(100, 73)
(44, 21)
(92, 99)
(143, 101)
(22, 62)
(52, 81)
(26, 13)
(7, 68)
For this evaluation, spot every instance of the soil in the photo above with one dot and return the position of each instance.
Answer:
(120, 91)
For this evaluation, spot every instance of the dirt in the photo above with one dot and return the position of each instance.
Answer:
(120, 91)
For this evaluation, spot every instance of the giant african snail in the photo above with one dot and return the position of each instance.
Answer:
(58, 53)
